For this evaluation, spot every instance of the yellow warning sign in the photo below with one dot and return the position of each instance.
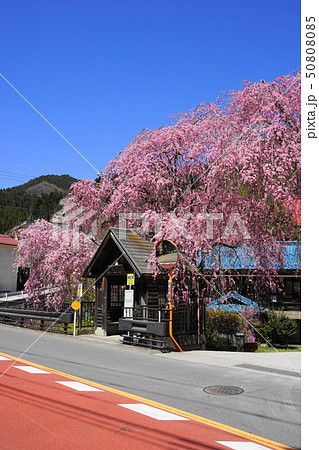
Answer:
(76, 305)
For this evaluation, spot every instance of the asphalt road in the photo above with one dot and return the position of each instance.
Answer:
(268, 407)
(44, 408)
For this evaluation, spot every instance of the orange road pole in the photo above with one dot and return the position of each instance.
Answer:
(171, 310)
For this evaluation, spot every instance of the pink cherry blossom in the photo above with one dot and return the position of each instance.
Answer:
(238, 157)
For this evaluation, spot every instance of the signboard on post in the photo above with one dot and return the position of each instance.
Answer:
(130, 279)
(128, 303)
(79, 290)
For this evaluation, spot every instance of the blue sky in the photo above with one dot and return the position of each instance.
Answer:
(102, 70)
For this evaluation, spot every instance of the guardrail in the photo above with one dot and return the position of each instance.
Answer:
(16, 312)
(18, 295)
(21, 317)
(12, 296)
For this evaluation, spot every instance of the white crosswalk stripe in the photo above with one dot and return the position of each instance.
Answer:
(242, 445)
(79, 386)
(31, 369)
(152, 412)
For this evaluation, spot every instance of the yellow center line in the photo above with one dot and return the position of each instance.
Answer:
(237, 432)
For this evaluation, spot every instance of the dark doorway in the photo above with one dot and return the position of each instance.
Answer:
(115, 301)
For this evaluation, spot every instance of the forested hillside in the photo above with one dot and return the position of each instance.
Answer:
(38, 198)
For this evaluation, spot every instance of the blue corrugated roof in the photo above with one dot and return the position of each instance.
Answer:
(241, 258)
(225, 303)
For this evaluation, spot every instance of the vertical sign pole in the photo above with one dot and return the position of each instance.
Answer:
(79, 295)
(74, 323)
(129, 310)
(75, 306)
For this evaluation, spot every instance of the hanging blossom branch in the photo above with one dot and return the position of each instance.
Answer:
(224, 173)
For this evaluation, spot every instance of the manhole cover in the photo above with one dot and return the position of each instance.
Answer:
(223, 390)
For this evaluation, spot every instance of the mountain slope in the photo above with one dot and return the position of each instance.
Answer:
(43, 188)
(38, 198)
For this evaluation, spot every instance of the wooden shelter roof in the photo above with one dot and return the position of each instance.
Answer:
(135, 249)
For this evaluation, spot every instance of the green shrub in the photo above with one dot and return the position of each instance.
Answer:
(222, 342)
(277, 328)
(220, 328)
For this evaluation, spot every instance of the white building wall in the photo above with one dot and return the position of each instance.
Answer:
(8, 277)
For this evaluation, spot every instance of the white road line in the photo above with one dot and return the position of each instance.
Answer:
(152, 412)
(3, 358)
(242, 445)
(31, 369)
(79, 386)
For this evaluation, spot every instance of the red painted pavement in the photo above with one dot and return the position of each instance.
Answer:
(36, 412)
